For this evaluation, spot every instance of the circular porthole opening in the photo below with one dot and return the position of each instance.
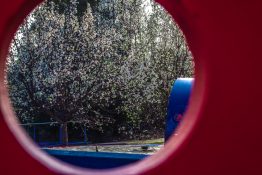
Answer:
(94, 80)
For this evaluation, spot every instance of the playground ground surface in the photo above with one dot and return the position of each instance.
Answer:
(133, 146)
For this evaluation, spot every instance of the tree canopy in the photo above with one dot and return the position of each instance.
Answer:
(109, 67)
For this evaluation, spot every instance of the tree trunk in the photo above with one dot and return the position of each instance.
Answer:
(64, 134)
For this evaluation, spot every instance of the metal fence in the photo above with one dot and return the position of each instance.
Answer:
(50, 133)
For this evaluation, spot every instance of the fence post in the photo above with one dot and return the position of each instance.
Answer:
(60, 135)
(85, 135)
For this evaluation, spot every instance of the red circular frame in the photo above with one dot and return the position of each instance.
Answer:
(221, 133)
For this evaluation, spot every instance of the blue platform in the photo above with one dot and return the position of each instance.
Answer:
(177, 104)
(95, 160)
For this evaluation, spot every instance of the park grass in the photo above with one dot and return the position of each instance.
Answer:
(151, 141)
(130, 146)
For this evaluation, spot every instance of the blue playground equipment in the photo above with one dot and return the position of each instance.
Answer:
(95, 160)
(177, 104)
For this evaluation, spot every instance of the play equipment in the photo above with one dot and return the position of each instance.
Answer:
(177, 104)
(96, 160)
(221, 130)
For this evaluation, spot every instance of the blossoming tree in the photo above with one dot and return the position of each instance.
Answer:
(116, 62)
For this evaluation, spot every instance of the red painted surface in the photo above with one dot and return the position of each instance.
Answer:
(221, 132)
